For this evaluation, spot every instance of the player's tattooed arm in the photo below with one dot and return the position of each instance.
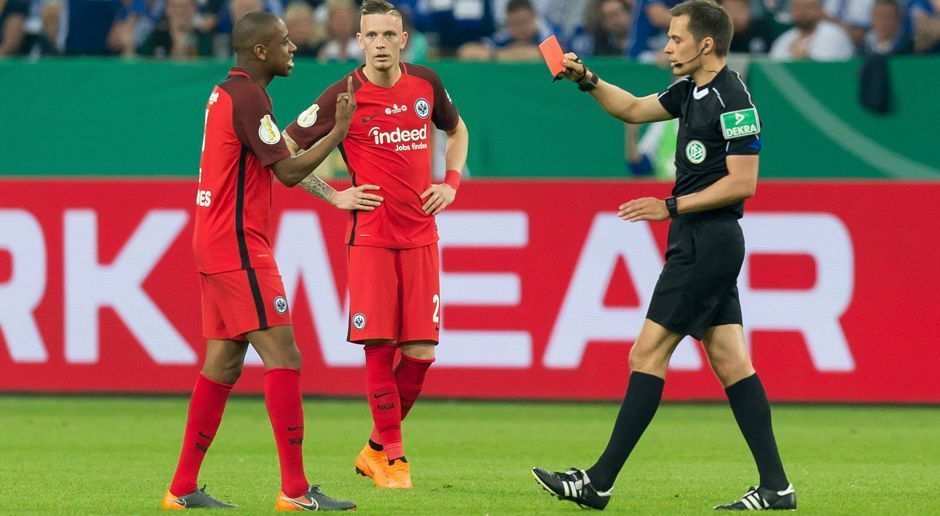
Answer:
(353, 198)
(311, 183)
(350, 199)
(317, 187)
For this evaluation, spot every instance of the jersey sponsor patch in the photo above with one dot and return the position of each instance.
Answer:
(395, 109)
(695, 152)
(308, 117)
(268, 131)
(744, 122)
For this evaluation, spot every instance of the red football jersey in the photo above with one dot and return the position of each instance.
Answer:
(233, 201)
(389, 145)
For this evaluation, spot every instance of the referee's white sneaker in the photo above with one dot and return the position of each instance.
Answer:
(573, 485)
(763, 499)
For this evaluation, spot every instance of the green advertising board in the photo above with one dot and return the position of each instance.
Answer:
(104, 117)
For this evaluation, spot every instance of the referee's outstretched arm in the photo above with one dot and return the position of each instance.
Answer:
(617, 102)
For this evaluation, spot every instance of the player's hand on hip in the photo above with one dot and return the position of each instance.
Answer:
(574, 68)
(644, 208)
(356, 198)
(437, 198)
(345, 107)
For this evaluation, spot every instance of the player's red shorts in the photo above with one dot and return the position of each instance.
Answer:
(394, 294)
(237, 302)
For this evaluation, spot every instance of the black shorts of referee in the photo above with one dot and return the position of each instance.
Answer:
(698, 288)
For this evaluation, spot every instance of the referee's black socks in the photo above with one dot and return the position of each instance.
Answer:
(752, 411)
(637, 410)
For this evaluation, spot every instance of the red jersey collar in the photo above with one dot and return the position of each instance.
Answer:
(238, 70)
(360, 74)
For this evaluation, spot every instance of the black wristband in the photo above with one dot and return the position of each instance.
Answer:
(592, 82)
(672, 205)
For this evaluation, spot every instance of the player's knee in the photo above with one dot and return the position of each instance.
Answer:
(647, 359)
(289, 362)
(420, 351)
(636, 360)
(296, 362)
(729, 367)
(223, 373)
(231, 374)
(290, 358)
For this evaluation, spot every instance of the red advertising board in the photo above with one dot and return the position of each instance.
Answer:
(543, 287)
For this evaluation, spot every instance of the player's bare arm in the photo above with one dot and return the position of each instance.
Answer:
(291, 171)
(312, 183)
(317, 187)
(738, 185)
(352, 198)
(617, 102)
(440, 196)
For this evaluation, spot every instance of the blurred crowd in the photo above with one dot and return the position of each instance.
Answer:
(501, 30)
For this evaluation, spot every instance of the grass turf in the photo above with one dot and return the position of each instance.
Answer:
(98, 455)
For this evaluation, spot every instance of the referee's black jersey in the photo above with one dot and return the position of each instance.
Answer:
(715, 120)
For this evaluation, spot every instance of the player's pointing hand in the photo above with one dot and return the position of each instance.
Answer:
(356, 198)
(644, 208)
(345, 106)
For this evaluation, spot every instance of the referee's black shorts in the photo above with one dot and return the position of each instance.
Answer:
(698, 286)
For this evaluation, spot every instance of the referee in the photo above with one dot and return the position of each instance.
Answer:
(716, 170)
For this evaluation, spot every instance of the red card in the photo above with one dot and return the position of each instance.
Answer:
(551, 51)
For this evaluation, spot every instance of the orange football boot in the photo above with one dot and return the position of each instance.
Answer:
(373, 464)
(399, 475)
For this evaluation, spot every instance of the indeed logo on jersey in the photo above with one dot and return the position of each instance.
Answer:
(417, 137)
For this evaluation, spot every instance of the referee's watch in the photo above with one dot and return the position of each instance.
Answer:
(591, 82)
(672, 206)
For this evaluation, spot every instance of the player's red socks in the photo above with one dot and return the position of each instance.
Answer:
(285, 408)
(205, 413)
(409, 377)
(383, 397)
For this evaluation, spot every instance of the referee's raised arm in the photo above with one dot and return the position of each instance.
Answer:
(618, 102)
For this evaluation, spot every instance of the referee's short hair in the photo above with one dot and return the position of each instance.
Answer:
(707, 19)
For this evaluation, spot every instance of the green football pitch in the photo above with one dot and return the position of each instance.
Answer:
(99, 455)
